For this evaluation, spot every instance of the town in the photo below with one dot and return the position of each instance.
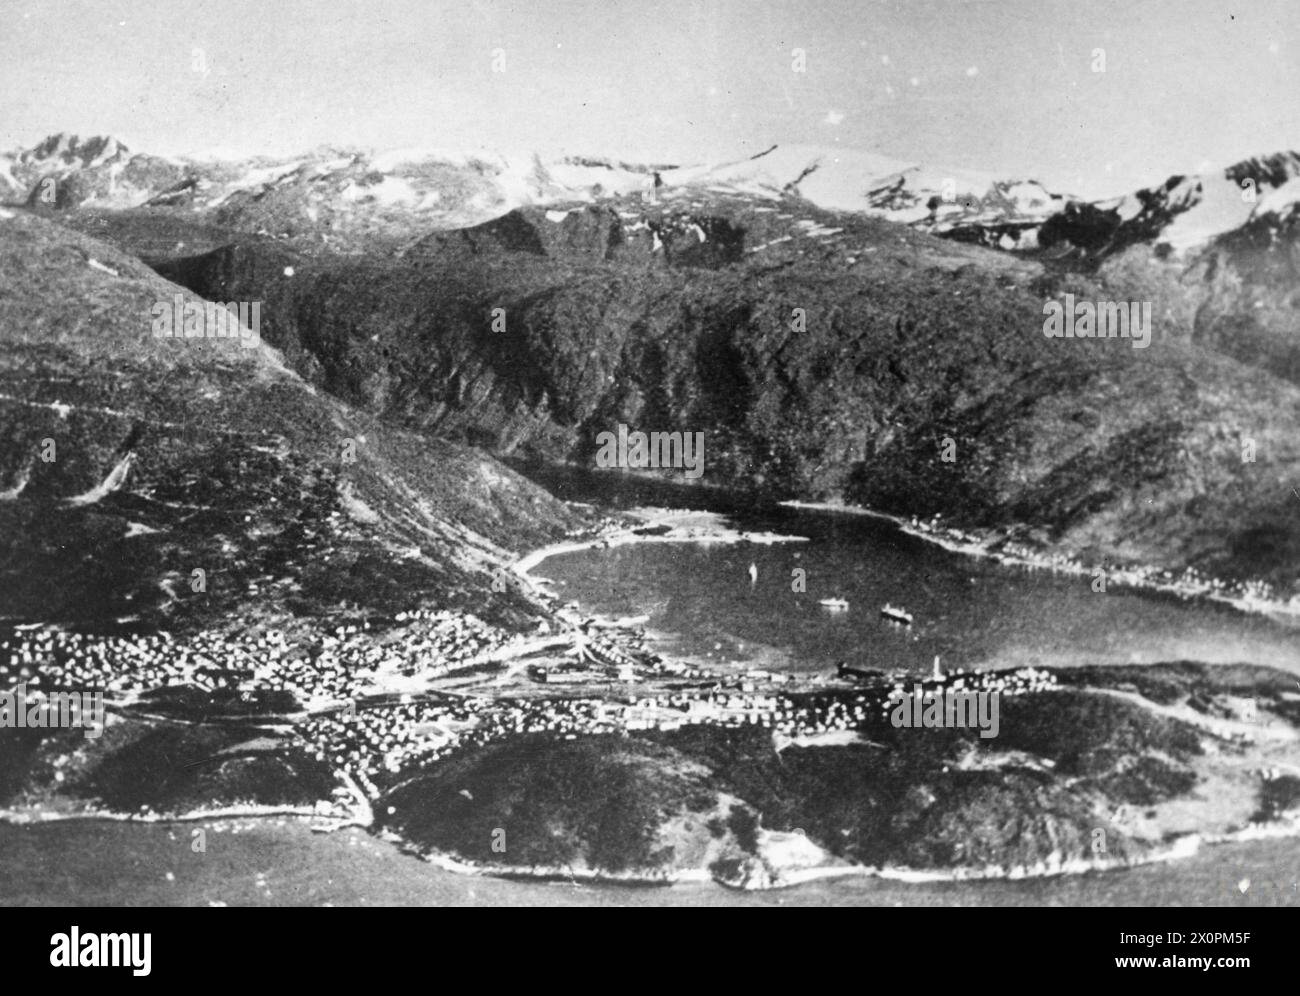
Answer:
(376, 698)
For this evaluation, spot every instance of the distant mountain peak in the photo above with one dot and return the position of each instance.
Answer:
(1273, 170)
(72, 150)
(338, 187)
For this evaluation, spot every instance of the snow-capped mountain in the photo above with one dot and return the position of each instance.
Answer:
(339, 194)
(1183, 214)
(911, 193)
(69, 151)
(468, 184)
(66, 171)
(336, 192)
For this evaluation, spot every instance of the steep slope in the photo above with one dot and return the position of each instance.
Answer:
(831, 366)
(1251, 279)
(1236, 295)
(1180, 216)
(65, 171)
(130, 462)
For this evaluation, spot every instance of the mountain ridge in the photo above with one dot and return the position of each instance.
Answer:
(166, 456)
(359, 191)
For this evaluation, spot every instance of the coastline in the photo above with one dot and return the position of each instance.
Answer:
(955, 541)
(680, 525)
(1181, 848)
(687, 526)
(692, 526)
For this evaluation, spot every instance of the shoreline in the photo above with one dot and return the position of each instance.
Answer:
(688, 526)
(954, 541)
(681, 525)
(1186, 846)
(1180, 849)
(711, 527)
(36, 817)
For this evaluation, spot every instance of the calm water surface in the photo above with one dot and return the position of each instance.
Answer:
(701, 603)
(969, 611)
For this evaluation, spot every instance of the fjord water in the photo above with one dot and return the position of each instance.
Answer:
(274, 861)
(972, 612)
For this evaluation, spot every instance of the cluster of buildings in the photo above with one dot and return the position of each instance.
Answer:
(372, 701)
(363, 741)
(1190, 584)
(595, 664)
(327, 668)
(368, 741)
(391, 737)
(1021, 681)
(118, 665)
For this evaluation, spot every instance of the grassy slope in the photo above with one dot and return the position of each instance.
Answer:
(1166, 743)
(1064, 763)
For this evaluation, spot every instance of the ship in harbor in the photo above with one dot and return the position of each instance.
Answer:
(895, 614)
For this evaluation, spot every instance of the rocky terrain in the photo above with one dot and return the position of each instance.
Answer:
(826, 354)
(130, 462)
(356, 199)
(825, 357)
(1093, 768)
(288, 559)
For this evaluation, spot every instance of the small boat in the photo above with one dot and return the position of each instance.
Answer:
(895, 614)
(834, 604)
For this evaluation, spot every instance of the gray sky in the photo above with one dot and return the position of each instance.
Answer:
(1007, 87)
